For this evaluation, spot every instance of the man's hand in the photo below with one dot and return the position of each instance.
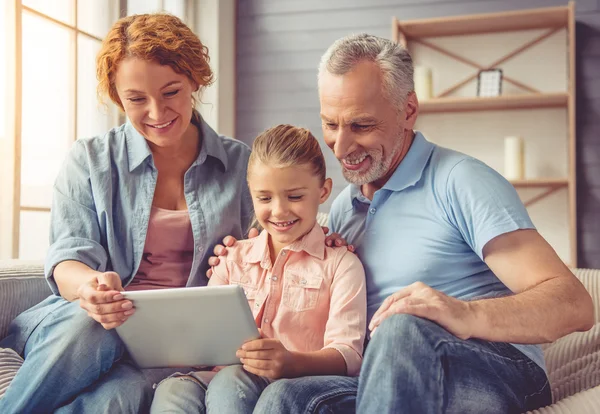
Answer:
(335, 239)
(103, 301)
(267, 358)
(418, 299)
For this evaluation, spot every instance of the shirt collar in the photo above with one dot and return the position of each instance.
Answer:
(312, 243)
(212, 146)
(409, 171)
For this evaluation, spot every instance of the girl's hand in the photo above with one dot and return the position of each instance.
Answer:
(267, 358)
(104, 303)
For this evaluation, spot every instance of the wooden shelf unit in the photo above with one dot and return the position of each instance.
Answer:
(506, 102)
(540, 182)
(551, 19)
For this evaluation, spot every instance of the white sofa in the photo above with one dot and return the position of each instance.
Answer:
(573, 361)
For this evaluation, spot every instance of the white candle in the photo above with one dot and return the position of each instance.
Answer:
(422, 78)
(514, 158)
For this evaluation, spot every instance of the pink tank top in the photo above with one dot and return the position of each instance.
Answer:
(168, 252)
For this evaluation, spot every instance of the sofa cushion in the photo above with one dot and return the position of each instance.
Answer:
(573, 361)
(10, 362)
(22, 285)
(585, 402)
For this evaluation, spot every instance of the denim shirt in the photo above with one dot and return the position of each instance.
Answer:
(104, 191)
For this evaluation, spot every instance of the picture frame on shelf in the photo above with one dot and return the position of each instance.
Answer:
(489, 83)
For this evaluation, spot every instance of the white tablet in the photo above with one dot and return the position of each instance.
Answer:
(187, 327)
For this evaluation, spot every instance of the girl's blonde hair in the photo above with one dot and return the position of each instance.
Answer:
(285, 146)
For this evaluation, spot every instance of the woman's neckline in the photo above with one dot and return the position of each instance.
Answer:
(166, 210)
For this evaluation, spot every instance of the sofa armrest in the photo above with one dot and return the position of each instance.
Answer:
(22, 285)
(584, 402)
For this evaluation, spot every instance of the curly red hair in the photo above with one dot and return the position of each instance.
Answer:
(160, 38)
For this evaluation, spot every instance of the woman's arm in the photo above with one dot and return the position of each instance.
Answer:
(71, 275)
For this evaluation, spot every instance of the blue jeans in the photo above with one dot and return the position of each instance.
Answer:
(413, 365)
(68, 365)
(231, 390)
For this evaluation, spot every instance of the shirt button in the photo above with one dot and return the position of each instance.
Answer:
(283, 252)
(274, 278)
(200, 249)
(372, 210)
(266, 321)
(303, 281)
(257, 304)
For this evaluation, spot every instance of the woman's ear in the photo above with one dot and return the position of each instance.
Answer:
(325, 190)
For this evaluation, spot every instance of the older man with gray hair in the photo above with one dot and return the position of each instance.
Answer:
(461, 287)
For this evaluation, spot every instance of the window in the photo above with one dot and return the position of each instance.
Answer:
(52, 76)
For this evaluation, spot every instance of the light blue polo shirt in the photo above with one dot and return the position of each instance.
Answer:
(429, 223)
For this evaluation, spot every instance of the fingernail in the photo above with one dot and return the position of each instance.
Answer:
(338, 242)
(118, 297)
(127, 305)
(130, 312)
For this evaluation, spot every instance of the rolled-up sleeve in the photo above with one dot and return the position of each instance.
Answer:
(74, 228)
(346, 326)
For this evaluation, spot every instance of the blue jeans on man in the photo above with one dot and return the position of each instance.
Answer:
(413, 365)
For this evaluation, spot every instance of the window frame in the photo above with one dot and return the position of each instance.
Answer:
(10, 181)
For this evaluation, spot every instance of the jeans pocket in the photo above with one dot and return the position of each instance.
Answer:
(540, 398)
(504, 350)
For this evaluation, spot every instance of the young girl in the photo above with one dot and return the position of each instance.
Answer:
(307, 299)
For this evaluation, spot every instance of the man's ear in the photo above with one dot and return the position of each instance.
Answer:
(410, 111)
(325, 190)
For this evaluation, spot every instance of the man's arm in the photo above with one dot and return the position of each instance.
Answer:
(549, 302)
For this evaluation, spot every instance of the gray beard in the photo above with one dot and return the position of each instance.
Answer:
(379, 167)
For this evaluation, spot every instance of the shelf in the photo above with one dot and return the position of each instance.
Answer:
(531, 101)
(540, 182)
(548, 17)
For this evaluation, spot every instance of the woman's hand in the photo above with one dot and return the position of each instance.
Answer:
(267, 358)
(220, 250)
(102, 299)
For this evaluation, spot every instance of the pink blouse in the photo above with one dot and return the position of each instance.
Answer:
(168, 252)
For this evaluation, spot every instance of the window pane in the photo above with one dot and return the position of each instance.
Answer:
(62, 10)
(142, 6)
(93, 118)
(3, 62)
(47, 123)
(176, 7)
(34, 235)
(97, 16)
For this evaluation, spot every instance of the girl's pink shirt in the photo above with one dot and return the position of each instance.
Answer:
(312, 297)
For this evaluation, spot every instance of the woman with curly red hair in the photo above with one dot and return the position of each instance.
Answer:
(140, 207)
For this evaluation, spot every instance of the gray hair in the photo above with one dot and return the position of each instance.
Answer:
(393, 60)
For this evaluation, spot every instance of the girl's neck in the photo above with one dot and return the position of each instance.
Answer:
(275, 248)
